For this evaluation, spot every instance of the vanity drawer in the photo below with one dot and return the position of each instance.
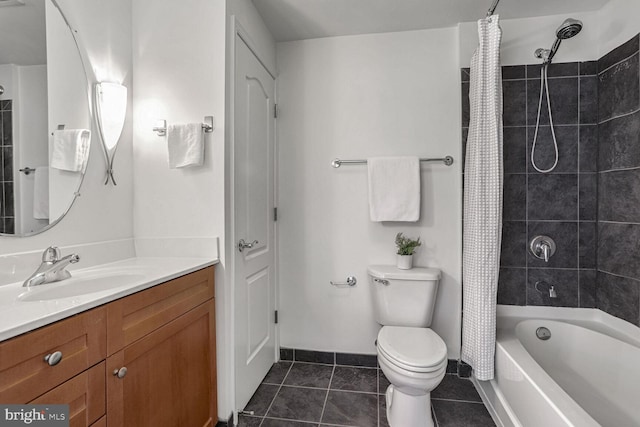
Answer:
(133, 317)
(24, 373)
(85, 395)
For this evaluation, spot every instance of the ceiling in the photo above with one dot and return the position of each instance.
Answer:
(306, 19)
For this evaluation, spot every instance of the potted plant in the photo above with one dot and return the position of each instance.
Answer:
(406, 248)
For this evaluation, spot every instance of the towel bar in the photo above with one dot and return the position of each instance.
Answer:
(208, 126)
(27, 170)
(336, 163)
(60, 127)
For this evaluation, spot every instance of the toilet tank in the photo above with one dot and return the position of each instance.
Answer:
(403, 297)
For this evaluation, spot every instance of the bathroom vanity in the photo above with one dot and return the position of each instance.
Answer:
(145, 359)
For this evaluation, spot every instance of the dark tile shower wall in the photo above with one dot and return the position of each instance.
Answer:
(6, 168)
(617, 287)
(560, 204)
(590, 204)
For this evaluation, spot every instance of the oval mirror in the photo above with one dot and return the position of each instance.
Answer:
(45, 117)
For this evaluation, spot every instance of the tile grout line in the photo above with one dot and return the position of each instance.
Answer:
(378, 393)
(322, 388)
(458, 400)
(435, 418)
(289, 420)
(619, 170)
(618, 275)
(578, 183)
(326, 397)
(620, 116)
(276, 395)
(617, 63)
(526, 193)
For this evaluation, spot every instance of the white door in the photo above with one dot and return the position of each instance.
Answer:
(254, 181)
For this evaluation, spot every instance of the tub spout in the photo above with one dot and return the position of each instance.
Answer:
(551, 289)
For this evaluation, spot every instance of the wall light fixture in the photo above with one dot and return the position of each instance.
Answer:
(111, 110)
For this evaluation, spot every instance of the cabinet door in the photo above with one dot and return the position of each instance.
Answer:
(133, 317)
(85, 395)
(170, 379)
(24, 373)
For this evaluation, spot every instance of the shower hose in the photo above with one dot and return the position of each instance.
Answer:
(544, 85)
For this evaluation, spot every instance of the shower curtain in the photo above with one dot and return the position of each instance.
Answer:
(483, 182)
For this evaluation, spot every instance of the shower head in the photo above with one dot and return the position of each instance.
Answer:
(569, 28)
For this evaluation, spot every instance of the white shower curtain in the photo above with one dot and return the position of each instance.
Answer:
(483, 182)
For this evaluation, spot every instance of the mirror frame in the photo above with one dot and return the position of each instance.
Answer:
(84, 61)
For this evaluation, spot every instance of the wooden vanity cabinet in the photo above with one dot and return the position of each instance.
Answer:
(85, 394)
(80, 341)
(164, 337)
(170, 379)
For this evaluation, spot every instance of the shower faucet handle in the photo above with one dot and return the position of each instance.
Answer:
(542, 247)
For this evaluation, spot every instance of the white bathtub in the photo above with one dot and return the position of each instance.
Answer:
(586, 374)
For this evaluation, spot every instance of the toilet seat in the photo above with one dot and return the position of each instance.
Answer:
(418, 350)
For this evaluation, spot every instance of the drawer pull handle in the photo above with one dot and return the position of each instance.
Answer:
(120, 373)
(53, 358)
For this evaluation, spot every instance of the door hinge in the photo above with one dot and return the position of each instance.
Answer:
(275, 111)
(276, 317)
(275, 214)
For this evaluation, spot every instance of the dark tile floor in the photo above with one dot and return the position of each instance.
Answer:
(311, 394)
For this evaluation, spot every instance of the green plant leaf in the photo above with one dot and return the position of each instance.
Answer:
(406, 245)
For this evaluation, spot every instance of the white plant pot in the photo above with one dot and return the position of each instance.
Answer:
(404, 262)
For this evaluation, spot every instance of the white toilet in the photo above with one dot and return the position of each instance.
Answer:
(412, 356)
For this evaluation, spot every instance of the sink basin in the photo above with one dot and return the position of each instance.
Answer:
(80, 285)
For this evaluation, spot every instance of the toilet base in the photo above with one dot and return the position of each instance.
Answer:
(408, 410)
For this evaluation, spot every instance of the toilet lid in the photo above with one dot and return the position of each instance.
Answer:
(414, 349)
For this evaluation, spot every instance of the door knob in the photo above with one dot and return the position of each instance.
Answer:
(242, 245)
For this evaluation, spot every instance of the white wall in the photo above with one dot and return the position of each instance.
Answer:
(32, 149)
(357, 97)
(521, 37)
(619, 21)
(102, 212)
(179, 76)
(8, 80)
(66, 87)
(603, 31)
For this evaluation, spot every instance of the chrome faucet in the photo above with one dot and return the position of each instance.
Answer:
(542, 247)
(551, 289)
(52, 269)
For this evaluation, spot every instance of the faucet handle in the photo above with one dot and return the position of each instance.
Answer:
(542, 247)
(51, 254)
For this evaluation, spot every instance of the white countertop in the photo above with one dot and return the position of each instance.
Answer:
(22, 311)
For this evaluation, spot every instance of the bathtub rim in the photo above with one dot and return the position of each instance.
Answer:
(509, 316)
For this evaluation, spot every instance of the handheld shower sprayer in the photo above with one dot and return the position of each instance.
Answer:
(568, 29)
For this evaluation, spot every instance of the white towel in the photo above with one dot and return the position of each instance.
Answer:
(70, 149)
(41, 193)
(186, 145)
(394, 188)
